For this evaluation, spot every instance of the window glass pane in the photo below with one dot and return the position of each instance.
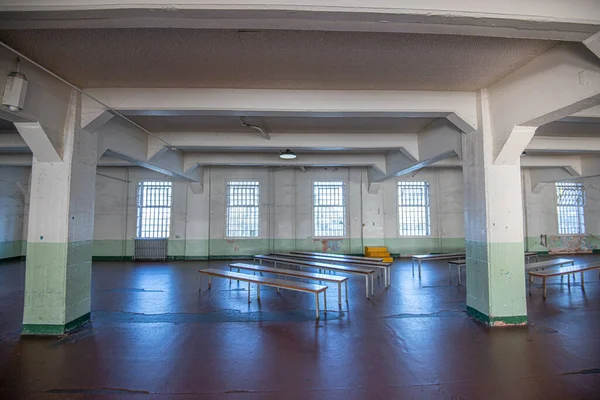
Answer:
(413, 209)
(570, 200)
(154, 209)
(329, 207)
(243, 202)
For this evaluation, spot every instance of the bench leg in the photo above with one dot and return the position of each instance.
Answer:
(419, 269)
(325, 302)
(544, 287)
(367, 285)
(582, 282)
(459, 277)
(569, 280)
(200, 287)
(413, 267)
(209, 282)
(372, 284)
(317, 303)
(346, 284)
(530, 283)
(390, 275)
(385, 277)
(258, 292)
(230, 278)
(340, 294)
(248, 292)
(449, 274)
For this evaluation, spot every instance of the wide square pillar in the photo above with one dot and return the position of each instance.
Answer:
(496, 292)
(61, 226)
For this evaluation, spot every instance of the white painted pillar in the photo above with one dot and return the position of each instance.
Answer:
(61, 226)
(493, 230)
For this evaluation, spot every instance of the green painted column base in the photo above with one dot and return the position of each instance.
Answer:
(516, 320)
(54, 330)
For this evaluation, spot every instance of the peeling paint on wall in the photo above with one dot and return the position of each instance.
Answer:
(584, 243)
(328, 244)
(236, 248)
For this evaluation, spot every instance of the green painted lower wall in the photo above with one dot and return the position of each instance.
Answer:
(533, 243)
(496, 279)
(203, 248)
(12, 249)
(57, 282)
(54, 330)
(424, 245)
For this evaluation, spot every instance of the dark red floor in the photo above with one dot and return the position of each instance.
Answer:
(153, 336)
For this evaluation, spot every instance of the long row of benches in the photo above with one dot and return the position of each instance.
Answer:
(362, 266)
(323, 262)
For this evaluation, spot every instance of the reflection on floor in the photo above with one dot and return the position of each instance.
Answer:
(153, 336)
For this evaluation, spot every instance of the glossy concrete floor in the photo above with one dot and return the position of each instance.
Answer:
(153, 336)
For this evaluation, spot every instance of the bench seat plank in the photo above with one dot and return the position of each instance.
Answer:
(548, 263)
(565, 270)
(367, 273)
(333, 259)
(545, 274)
(291, 272)
(274, 282)
(333, 255)
(297, 274)
(386, 267)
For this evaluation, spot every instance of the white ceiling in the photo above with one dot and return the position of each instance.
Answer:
(274, 59)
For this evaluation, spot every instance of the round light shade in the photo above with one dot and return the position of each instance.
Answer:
(287, 155)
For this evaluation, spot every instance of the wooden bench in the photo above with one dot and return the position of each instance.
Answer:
(367, 273)
(296, 274)
(429, 257)
(531, 254)
(561, 272)
(557, 262)
(458, 264)
(260, 280)
(384, 267)
(333, 255)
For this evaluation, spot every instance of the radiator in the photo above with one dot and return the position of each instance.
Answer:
(150, 249)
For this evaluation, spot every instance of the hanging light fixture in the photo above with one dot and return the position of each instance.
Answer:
(287, 155)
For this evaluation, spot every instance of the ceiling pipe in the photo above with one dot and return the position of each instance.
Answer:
(255, 127)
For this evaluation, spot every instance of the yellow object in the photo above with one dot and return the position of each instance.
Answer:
(378, 252)
(369, 249)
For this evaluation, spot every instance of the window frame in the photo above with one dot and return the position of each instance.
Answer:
(226, 207)
(139, 207)
(581, 209)
(429, 206)
(345, 206)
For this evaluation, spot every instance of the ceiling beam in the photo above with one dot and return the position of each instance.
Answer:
(556, 20)
(324, 141)
(563, 81)
(272, 160)
(459, 107)
(565, 143)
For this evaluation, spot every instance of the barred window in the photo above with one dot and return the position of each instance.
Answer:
(243, 202)
(154, 209)
(329, 205)
(570, 200)
(413, 209)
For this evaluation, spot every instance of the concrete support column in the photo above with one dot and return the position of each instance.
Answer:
(493, 230)
(61, 226)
